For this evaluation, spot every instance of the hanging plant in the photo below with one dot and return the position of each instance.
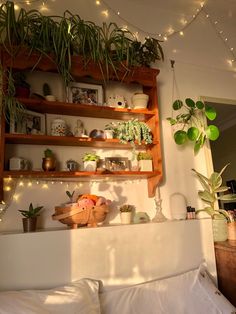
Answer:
(191, 123)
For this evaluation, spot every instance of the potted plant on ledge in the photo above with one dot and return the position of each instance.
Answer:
(126, 214)
(30, 218)
(144, 161)
(90, 161)
(212, 186)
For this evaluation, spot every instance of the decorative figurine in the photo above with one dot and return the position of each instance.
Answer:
(79, 130)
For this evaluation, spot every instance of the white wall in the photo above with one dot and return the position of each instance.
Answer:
(201, 70)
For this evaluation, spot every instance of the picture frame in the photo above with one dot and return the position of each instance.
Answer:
(83, 93)
(30, 123)
(117, 163)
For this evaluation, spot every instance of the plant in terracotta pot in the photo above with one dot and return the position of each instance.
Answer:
(190, 123)
(144, 161)
(30, 217)
(209, 195)
(126, 211)
(90, 161)
(49, 160)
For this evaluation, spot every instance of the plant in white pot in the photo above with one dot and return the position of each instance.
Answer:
(110, 130)
(126, 214)
(211, 187)
(30, 217)
(144, 161)
(90, 161)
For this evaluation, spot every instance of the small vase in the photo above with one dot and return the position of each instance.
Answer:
(29, 224)
(49, 164)
(220, 229)
(125, 217)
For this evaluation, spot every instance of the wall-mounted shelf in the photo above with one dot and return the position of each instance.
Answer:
(144, 76)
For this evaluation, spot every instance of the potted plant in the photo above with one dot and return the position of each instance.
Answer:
(144, 161)
(126, 213)
(30, 217)
(110, 130)
(209, 195)
(49, 160)
(90, 161)
(191, 124)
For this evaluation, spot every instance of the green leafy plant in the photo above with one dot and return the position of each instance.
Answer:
(70, 195)
(192, 123)
(48, 153)
(212, 186)
(91, 157)
(31, 212)
(126, 208)
(60, 37)
(144, 156)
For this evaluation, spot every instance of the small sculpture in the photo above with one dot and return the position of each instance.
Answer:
(79, 129)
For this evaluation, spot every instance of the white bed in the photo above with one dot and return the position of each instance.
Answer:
(146, 268)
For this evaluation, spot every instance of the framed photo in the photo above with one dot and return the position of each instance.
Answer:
(117, 163)
(30, 123)
(83, 93)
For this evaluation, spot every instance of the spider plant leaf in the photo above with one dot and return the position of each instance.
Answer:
(212, 132)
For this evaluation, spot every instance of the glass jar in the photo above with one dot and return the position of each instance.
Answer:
(58, 127)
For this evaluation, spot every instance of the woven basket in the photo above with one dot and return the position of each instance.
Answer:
(75, 215)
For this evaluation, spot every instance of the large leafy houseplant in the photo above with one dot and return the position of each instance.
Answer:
(191, 122)
(212, 186)
(60, 37)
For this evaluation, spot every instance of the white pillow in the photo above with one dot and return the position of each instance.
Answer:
(182, 294)
(79, 297)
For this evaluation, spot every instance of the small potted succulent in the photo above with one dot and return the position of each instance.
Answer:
(49, 160)
(126, 211)
(90, 161)
(110, 130)
(30, 218)
(144, 161)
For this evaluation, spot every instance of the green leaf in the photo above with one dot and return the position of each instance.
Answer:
(177, 104)
(210, 112)
(215, 180)
(180, 137)
(190, 103)
(209, 210)
(193, 133)
(172, 121)
(200, 104)
(206, 196)
(197, 147)
(222, 189)
(227, 197)
(203, 180)
(223, 169)
(212, 132)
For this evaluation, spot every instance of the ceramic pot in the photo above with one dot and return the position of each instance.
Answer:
(145, 165)
(90, 165)
(125, 217)
(220, 229)
(29, 224)
(108, 134)
(231, 231)
(49, 164)
(140, 101)
(58, 127)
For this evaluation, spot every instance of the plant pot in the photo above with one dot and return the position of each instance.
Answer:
(140, 101)
(49, 164)
(125, 217)
(108, 133)
(90, 165)
(29, 224)
(220, 229)
(145, 165)
(232, 231)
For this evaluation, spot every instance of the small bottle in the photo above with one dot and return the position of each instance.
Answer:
(193, 213)
(188, 212)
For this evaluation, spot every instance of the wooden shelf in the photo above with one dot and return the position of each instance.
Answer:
(12, 138)
(86, 110)
(79, 174)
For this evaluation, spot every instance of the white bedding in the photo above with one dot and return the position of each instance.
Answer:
(192, 292)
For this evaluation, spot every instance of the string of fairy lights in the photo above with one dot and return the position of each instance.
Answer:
(164, 36)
